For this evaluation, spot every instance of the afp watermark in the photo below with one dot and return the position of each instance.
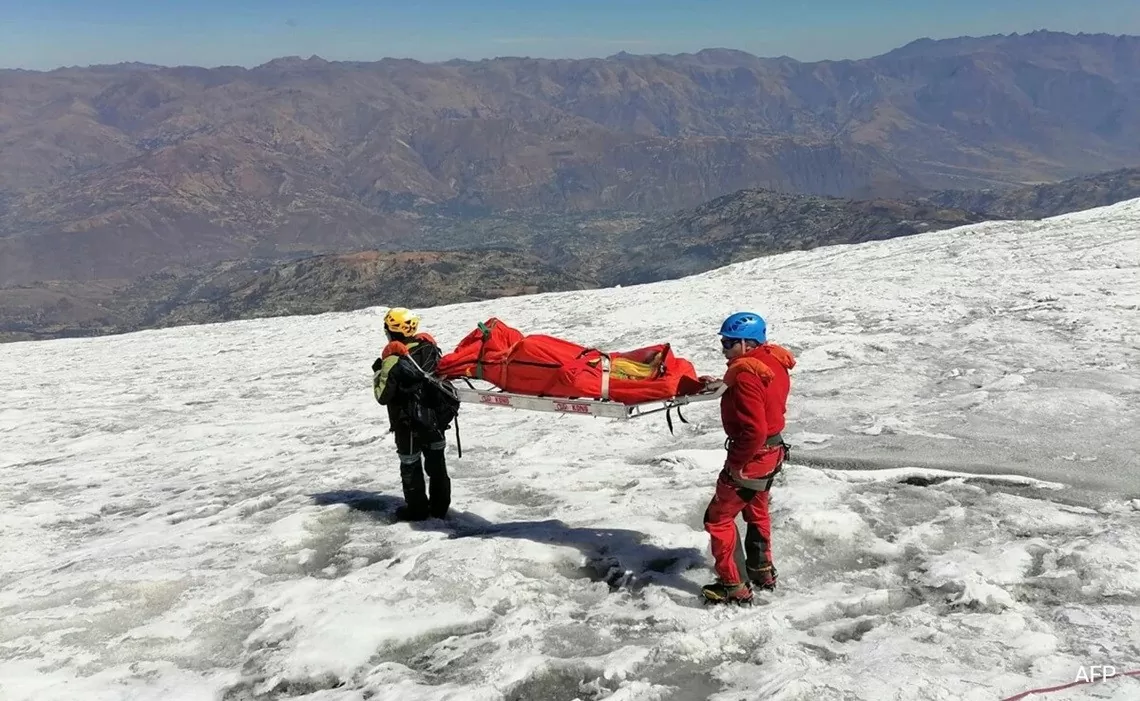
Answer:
(1087, 674)
(1095, 673)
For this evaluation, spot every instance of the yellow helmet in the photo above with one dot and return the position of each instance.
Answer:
(401, 321)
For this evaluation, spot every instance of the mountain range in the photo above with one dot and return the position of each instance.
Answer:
(119, 171)
(134, 196)
(527, 258)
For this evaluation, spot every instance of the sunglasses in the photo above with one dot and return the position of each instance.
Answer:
(727, 343)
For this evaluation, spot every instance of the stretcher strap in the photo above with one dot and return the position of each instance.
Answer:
(482, 348)
(605, 377)
(605, 363)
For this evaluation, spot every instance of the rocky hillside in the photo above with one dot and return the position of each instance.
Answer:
(1048, 200)
(512, 255)
(753, 223)
(603, 252)
(255, 289)
(113, 172)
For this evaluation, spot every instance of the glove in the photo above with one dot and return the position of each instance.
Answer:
(394, 348)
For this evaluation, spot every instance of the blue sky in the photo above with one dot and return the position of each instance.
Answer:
(44, 34)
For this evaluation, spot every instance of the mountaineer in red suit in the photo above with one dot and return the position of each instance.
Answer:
(752, 412)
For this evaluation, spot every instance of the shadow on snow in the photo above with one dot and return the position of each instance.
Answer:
(617, 556)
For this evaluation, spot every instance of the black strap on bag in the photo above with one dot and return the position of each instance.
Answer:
(444, 388)
(669, 418)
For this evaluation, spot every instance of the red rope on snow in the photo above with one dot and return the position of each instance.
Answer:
(1062, 687)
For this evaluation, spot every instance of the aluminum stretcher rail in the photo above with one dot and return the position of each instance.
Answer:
(603, 408)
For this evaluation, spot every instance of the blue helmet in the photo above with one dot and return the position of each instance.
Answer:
(746, 326)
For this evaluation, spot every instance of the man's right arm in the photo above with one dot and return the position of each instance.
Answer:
(382, 386)
(751, 420)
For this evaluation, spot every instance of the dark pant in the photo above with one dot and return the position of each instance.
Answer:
(420, 452)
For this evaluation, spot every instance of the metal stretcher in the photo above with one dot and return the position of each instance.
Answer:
(603, 408)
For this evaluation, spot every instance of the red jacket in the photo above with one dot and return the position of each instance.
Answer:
(752, 408)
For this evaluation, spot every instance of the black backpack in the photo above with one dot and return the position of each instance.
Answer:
(434, 403)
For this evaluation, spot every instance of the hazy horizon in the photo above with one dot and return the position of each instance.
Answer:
(67, 33)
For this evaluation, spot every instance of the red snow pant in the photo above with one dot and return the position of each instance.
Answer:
(731, 499)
